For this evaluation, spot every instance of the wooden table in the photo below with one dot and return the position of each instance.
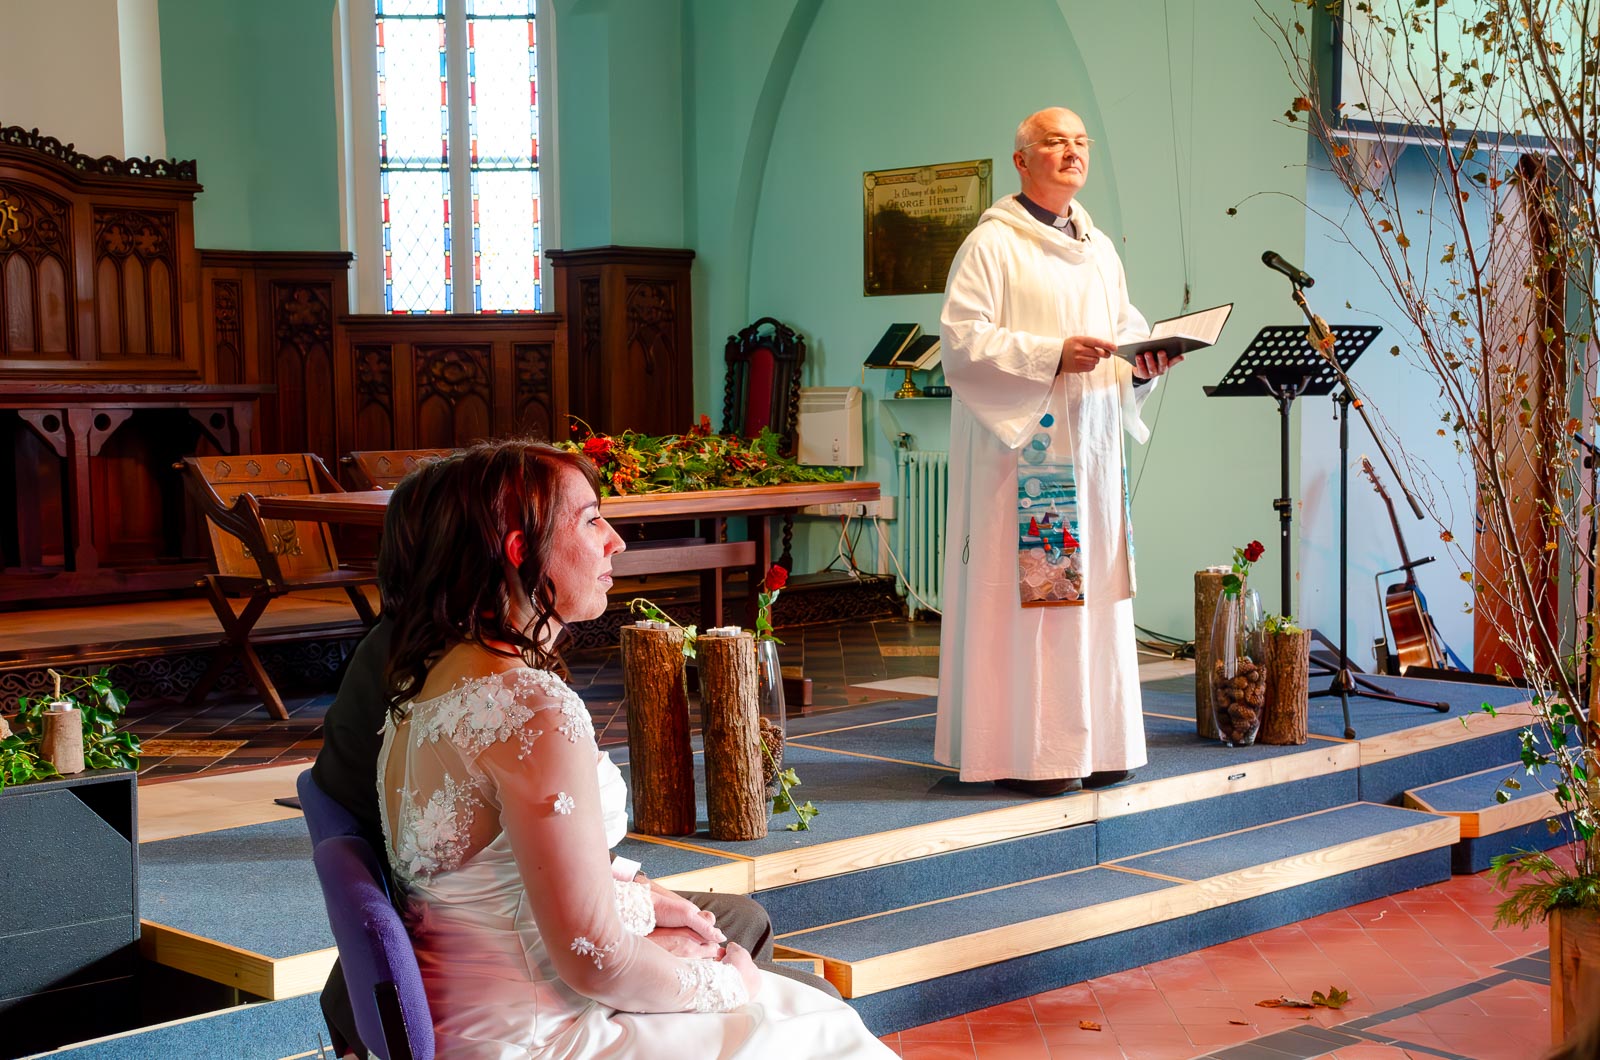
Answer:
(707, 553)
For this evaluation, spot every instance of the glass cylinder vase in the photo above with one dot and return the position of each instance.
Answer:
(770, 710)
(1237, 667)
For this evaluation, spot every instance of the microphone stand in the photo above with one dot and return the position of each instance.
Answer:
(1345, 683)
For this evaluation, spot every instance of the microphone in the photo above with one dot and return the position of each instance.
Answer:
(1274, 261)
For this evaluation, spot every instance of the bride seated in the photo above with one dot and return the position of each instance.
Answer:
(499, 809)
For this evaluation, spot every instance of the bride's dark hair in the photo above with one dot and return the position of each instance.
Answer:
(443, 563)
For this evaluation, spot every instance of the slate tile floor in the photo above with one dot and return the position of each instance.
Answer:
(836, 656)
(1429, 976)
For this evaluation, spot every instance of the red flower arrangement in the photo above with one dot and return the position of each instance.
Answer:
(695, 460)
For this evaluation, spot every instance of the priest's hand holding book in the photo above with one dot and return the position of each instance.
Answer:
(1083, 353)
(1148, 365)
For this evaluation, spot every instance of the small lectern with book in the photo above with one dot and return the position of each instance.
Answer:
(905, 346)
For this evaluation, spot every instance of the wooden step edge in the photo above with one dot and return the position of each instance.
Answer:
(274, 978)
(1524, 809)
(949, 956)
(1140, 797)
(1444, 733)
(840, 856)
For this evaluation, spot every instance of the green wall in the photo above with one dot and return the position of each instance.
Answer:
(248, 93)
(790, 102)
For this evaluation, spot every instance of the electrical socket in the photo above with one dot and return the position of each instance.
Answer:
(882, 508)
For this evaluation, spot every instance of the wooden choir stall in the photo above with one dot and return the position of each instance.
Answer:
(124, 349)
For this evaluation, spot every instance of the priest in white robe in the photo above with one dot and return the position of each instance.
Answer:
(1038, 676)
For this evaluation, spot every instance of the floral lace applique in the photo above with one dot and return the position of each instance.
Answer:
(635, 908)
(434, 838)
(712, 985)
(565, 803)
(584, 948)
(575, 719)
(491, 709)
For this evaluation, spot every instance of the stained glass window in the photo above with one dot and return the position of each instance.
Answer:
(497, 160)
(414, 155)
(503, 118)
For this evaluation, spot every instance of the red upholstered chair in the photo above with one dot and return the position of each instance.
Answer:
(762, 389)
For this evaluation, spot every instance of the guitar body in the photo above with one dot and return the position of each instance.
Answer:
(1413, 628)
(1416, 642)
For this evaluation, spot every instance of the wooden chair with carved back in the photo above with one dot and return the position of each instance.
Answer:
(382, 469)
(263, 559)
(762, 389)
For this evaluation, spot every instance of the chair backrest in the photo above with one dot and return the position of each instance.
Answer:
(382, 469)
(762, 387)
(325, 817)
(380, 967)
(298, 549)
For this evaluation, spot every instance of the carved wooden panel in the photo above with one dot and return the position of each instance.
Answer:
(227, 326)
(438, 382)
(453, 395)
(302, 367)
(374, 377)
(136, 297)
(631, 365)
(36, 290)
(535, 389)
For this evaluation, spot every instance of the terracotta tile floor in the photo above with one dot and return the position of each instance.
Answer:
(1433, 954)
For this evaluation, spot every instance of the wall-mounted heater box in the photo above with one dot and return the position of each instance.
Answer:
(830, 426)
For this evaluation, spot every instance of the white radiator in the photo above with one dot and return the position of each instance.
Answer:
(924, 487)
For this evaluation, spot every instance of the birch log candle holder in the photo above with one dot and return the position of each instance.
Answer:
(736, 804)
(62, 745)
(1284, 714)
(660, 758)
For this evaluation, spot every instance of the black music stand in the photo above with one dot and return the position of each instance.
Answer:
(1282, 364)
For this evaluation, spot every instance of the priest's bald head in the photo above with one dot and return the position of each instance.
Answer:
(1052, 157)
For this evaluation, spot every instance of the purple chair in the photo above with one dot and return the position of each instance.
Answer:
(324, 816)
(380, 967)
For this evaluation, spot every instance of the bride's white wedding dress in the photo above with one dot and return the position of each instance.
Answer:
(498, 781)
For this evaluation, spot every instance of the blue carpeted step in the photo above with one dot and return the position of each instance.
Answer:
(266, 1031)
(910, 945)
(1490, 827)
(802, 906)
(241, 907)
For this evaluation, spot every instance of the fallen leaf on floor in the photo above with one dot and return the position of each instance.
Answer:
(1239, 1023)
(1088, 1025)
(1284, 1002)
(1334, 998)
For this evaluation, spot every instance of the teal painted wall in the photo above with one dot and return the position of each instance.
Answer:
(790, 102)
(248, 93)
(620, 108)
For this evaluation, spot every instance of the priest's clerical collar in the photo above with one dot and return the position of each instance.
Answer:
(1043, 216)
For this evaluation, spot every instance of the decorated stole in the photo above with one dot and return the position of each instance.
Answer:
(1049, 548)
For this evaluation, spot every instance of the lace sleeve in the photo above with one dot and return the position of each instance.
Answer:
(565, 867)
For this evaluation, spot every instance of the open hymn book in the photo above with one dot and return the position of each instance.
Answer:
(1192, 331)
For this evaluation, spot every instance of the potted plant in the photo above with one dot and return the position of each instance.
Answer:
(1485, 236)
(96, 701)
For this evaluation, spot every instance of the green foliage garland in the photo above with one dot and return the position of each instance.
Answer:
(696, 460)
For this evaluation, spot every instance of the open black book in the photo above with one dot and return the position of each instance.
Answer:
(1192, 331)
